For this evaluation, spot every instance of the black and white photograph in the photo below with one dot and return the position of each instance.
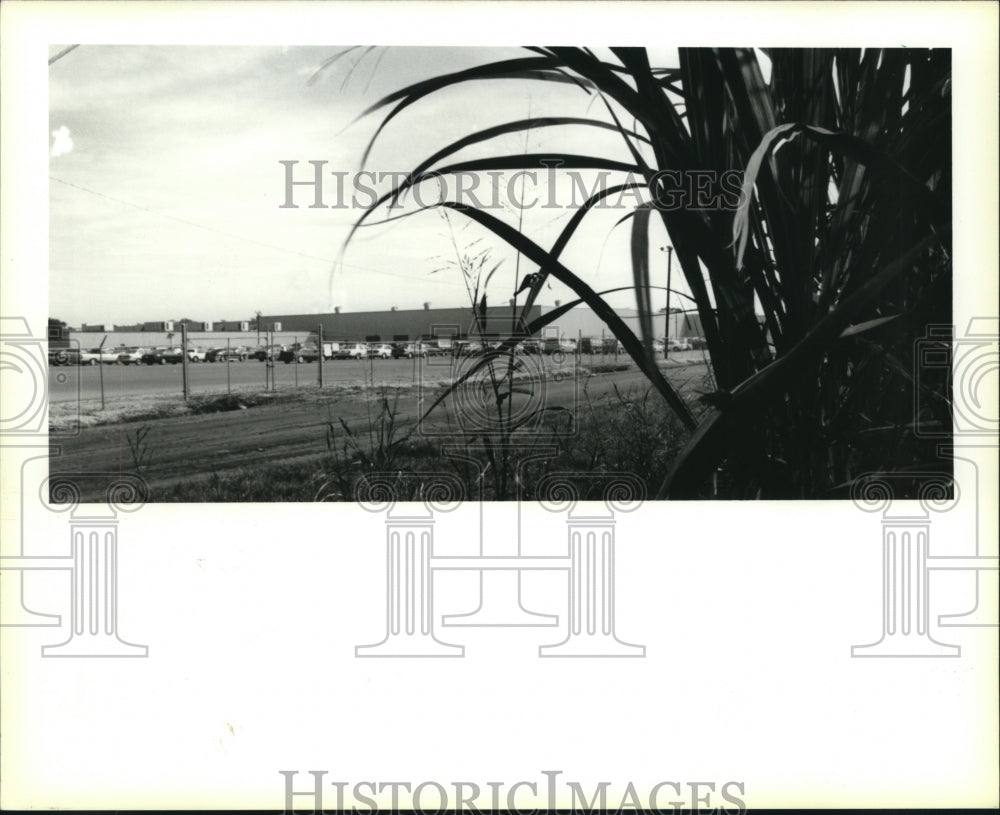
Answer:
(467, 406)
(279, 271)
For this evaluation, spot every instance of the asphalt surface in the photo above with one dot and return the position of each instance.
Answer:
(67, 383)
(205, 377)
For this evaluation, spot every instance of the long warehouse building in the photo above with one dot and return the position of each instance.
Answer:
(394, 325)
(411, 324)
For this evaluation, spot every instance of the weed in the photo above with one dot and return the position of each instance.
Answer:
(142, 452)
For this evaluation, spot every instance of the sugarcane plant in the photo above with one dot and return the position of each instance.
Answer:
(824, 259)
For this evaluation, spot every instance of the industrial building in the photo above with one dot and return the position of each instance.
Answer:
(411, 324)
(394, 325)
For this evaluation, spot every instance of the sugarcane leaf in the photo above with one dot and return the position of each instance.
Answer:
(331, 60)
(522, 125)
(640, 275)
(540, 68)
(605, 312)
(526, 161)
(868, 325)
(505, 347)
(857, 149)
(710, 440)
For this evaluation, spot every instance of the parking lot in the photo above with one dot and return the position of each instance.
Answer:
(68, 383)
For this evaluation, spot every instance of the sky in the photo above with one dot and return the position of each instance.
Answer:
(166, 182)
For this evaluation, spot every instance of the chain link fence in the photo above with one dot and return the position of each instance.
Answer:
(216, 363)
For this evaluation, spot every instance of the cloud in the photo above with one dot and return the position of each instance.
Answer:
(61, 142)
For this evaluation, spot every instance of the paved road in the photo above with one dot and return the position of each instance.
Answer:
(205, 377)
(122, 381)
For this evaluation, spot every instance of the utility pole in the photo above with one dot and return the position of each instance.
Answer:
(258, 329)
(666, 321)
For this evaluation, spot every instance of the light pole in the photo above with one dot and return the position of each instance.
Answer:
(666, 320)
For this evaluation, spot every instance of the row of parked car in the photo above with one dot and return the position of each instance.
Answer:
(310, 351)
(142, 356)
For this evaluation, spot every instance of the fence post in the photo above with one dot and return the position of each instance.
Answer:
(295, 360)
(229, 387)
(269, 336)
(100, 360)
(319, 334)
(184, 360)
(267, 375)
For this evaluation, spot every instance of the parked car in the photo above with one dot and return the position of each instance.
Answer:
(415, 349)
(131, 356)
(265, 352)
(381, 351)
(153, 357)
(238, 354)
(356, 350)
(196, 355)
(220, 354)
(299, 353)
(94, 356)
(467, 348)
(675, 344)
(174, 356)
(64, 356)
